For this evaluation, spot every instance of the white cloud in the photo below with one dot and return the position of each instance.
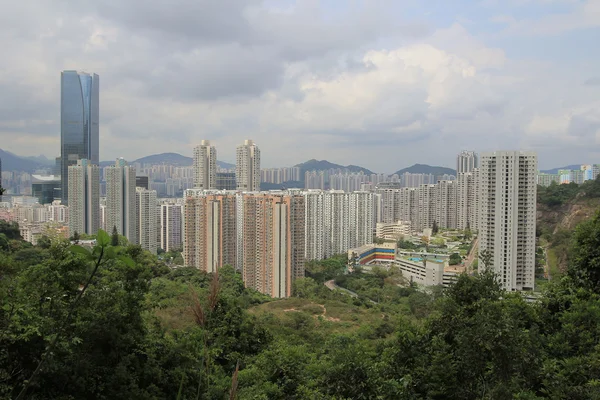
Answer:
(299, 85)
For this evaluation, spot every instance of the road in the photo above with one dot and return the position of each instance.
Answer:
(471, 256)
(332, 286)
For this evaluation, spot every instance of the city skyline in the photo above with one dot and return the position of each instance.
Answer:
(490, 75)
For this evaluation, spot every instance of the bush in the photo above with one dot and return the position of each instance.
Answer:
(455, 259)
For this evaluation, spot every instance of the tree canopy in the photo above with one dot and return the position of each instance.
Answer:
(115, 322)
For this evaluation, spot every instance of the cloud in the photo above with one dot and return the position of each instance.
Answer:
(594, 81)
(357, 83)
(580, 15)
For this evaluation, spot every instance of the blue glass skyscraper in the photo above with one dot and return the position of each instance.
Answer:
(79, 127)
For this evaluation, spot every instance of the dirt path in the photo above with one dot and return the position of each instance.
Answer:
(323, 314)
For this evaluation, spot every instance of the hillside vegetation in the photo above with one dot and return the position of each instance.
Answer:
(114, 322)
(560, 208)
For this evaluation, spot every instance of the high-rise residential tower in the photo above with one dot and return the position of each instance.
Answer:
(247, 167)
(467, 199)
(79, 127)
(210, 239)
(171, 226)
(84, 209)
(146, 218)
(120, 209)
(273, 241)
(205, 166)
(507, 217)
(466, 161)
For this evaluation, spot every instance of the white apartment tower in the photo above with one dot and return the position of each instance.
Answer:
(205, 166)
(336, 221)
(466, 161)
(171, 228)
(247, 167)
(507, 216)
(84, 198)
(467, 199)
(445, 204)
(146, 217)
(120, 211)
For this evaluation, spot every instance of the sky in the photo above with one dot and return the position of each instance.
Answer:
(379, 83)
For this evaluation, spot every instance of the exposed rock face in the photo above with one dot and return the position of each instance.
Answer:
(562, 220)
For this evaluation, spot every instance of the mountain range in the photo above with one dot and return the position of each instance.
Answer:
(322, 165)
(427, 169)
(14, 162)
(171, 159)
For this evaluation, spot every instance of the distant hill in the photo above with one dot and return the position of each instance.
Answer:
(427, 169)
(170, 158)
(166, 158)
(41, 159)
(13, 162)
(322, 165)
(555, 170)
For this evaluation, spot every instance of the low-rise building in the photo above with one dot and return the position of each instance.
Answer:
(372, 254)
(393, 231)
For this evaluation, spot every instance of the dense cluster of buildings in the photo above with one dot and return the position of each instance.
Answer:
(343, 179)
(494, 195)
(222, 217)
(586, 172)
(280, 175)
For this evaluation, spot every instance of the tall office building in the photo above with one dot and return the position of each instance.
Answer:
(205, 166)
(120, 209)
(79, 116)
(273, 241)
(466, 161)
(146, 219)
(210, 239)
(171, 227)
(247, 167)
(508, 216)
(84, 209)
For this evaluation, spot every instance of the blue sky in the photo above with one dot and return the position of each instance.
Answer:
(379, 83)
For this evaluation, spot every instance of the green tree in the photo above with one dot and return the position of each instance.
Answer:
(455, 259)
(305, 287)
(486, 257)
(584, 266)
(114, 239)
(10, 229)
(435, 229)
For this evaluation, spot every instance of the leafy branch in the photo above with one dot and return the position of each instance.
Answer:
(101, 253)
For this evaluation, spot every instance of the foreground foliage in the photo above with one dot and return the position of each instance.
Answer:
(142, 330)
